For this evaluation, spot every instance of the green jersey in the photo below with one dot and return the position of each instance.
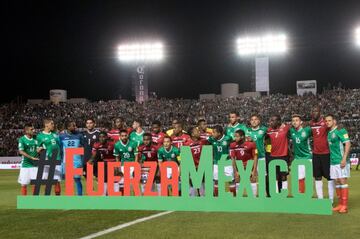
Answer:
(28, 145)
(171, 155)
(301, 142)
(258, 135)
(220, 146)
(337, 138)
(138, 138)
(127, 151)
(231, 129)
(50, 142)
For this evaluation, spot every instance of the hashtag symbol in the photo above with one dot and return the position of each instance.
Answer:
(41, 163)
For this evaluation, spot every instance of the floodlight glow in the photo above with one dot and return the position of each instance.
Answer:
(357, 36)
(141, 52)
(266, 44)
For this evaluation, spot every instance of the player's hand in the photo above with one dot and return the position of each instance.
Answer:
(35, 158)
(343, 164)
(237, 177)
(254, 173)
(39, 149)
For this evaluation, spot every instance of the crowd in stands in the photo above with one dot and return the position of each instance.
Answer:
(344, 103)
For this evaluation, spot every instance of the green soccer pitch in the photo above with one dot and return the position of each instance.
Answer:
(15, 223)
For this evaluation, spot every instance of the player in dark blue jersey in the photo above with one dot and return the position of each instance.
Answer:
(90, 136)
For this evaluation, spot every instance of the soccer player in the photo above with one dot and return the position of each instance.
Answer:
(244, 150)
(171, 131)
(278, 134)
(148, 152)
(90, 136)
(168, 153)
(137, 133)
(125, 151)
(178, 138)
(195, 142)
(339, 145)
(118, 125)
(27, 149)
(48, 140)
(300, 137)
(234, 125)
(205, 132)
(157, 135)
(70, 138)
(102, 151)
(321, 154)
(221, 145)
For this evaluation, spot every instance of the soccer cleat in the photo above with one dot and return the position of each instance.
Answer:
(337, 208)
(343, 209)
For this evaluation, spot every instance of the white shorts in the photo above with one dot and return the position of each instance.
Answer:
(337, 172)
(261, 159)
(229, 171)
(26, 175)
(169, 172)
(301, 171)
(57, 174)
(131, 171)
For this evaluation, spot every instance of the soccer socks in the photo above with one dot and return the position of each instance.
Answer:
(232, 188)
(338, 194)
(319, 189)
(331, 187)
(344, 198)
(302, 185)
(158, 188)
(254, 188)
(57, 189)
(23, 190)
(202, 190)
(284, 184)
(192, 192)
(216, 192)
(78, 186)
(105, 189)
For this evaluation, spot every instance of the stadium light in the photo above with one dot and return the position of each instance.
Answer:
(267, 44)
(357, 36)
(141, 52)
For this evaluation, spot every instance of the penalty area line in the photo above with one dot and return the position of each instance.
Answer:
(124, 225)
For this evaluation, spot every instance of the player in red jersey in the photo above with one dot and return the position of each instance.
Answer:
(179, 137)
(102, 151)
(244, 150)
(118, 125)
(157, 136)
(278, 135)
(195, 143)
(321, 153)
(205, 132)
(147, 152)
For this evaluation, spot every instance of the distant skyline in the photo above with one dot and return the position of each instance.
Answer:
(72, 46)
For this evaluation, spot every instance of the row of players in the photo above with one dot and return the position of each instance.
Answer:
(329, 152)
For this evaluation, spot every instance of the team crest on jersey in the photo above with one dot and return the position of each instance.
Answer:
(173, 155)
(261, 132)
(333, 135)
(129, 148)
(94, 136)
(303, 134)
(224, 143)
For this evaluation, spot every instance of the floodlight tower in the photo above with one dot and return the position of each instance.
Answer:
(140, 54)
(261, 47)
(357, 36)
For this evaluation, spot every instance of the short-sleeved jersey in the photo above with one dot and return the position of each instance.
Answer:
(179, 141)
(28, 145)
(231, 129)
(50, 142)
(148, 152)
(319, 133)
(71, 140)
(196, 147)
(206, 134)
(104, 151)
(89, 138)
(279, 140)
(258, 135)
(168, 155)
(158, 138)
(137, 137)
(244, 151)
(220, 146)
(301, 142)
(336, 138)
(126, 151)
(114, 134)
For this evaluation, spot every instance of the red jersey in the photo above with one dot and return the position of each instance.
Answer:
(104, 152)
(205, 135)
(279, 140)
(196, 147)
(179, 141)
(158, 139)
(114, 134)
(245, 151)
(148, 152)
(320, 132)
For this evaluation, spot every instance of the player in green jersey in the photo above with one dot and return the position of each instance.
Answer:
(221, 145)
(234, 125)
(257, 133)
(27, 149)
(48, 140)
(137, 134)
(300, 137)
(339, 145)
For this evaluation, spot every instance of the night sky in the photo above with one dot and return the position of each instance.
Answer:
(72, 45)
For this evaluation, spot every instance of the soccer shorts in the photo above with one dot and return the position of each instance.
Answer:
(57, 174)
(301, 171)
(228, 170)
(321, 166)
(260, 159)
(26, 175)
(337, 172)
(278, 172)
